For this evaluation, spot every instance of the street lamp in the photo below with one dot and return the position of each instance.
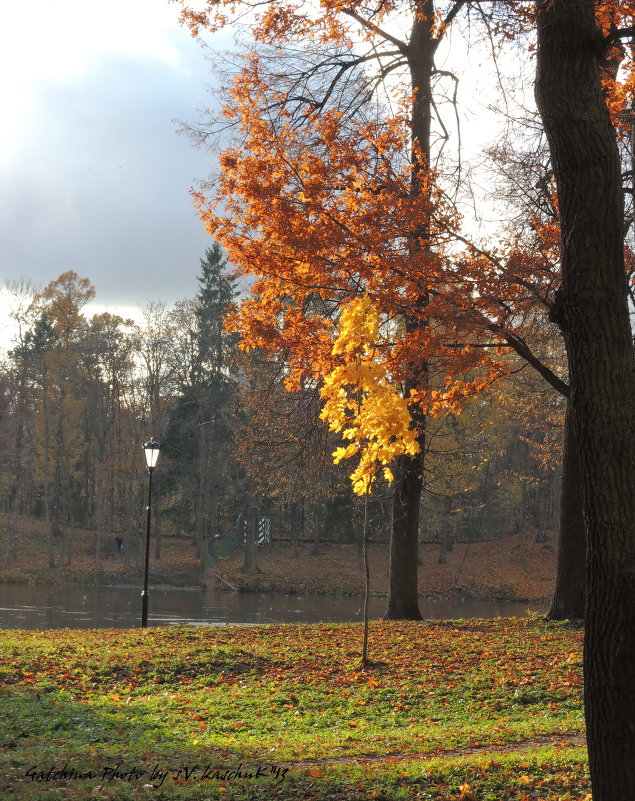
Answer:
(151, 450)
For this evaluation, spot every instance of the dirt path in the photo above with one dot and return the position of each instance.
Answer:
(566, 739)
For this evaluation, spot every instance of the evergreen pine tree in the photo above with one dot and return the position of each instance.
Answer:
(199, 426)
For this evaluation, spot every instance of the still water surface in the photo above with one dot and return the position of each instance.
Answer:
(41, 607)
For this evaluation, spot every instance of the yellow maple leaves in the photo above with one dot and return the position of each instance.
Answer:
(361, 402)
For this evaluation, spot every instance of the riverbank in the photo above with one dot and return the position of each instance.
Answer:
(509, 569)
(447, 711)
(513, 568)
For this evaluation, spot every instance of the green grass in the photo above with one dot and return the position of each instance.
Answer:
(444, 713)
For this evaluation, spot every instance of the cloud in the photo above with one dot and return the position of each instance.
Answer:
(99, 180)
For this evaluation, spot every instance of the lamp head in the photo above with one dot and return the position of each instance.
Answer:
(151, 449)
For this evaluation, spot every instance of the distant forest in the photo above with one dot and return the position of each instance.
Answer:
(80, 395)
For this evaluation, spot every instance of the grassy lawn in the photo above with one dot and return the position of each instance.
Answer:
(450, 710)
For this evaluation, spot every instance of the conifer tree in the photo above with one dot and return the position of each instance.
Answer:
(199, 424)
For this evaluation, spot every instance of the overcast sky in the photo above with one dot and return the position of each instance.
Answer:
(93, 176)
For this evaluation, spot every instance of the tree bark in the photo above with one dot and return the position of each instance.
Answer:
(403, 596)
(592, 312)
(403, 601)
(570, 590)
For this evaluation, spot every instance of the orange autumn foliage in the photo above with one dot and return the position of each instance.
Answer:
(319, 209)
(618, 66)
(323, 213)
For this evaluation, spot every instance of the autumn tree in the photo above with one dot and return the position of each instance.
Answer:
(199, 428)
(111, 467)
(364, 405)
(19, 409)
(327, 197)
(157, 384)
(282, 447)
(528, 192)
(61, 303)
(524, 187)
(80, 394)
(78, 387)
(34, 351)
(592, 311)
(489, 470)
(531, 191)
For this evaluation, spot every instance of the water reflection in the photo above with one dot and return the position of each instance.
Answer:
(37, 607)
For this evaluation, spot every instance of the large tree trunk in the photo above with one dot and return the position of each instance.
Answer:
(570, 590)
(592, 311)
(403, 596)
(403, 579)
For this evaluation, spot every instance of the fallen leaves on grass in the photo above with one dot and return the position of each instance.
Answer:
(297, 692)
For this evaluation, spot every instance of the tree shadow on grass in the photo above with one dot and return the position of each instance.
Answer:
(58, 747)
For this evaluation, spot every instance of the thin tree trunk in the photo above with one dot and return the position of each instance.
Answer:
(365, 660)
(156, 513)
(11, 551)
(592, 312)
(10, 554)
(295, 523)
(211, 467)
(544, 500)
(446, 533)
(46, 445)
(60, 496)
(570, 590)
(201, 488)
(250, 565)
(98, 550)
(315, 509)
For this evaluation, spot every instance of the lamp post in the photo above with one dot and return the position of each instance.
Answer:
(151, 450)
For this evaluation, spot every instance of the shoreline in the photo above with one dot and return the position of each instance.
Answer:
(33, 579)
(514, 568)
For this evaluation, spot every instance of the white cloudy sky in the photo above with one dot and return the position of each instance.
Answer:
(93, 176)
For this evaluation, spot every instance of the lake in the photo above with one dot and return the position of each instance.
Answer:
(54, 607)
